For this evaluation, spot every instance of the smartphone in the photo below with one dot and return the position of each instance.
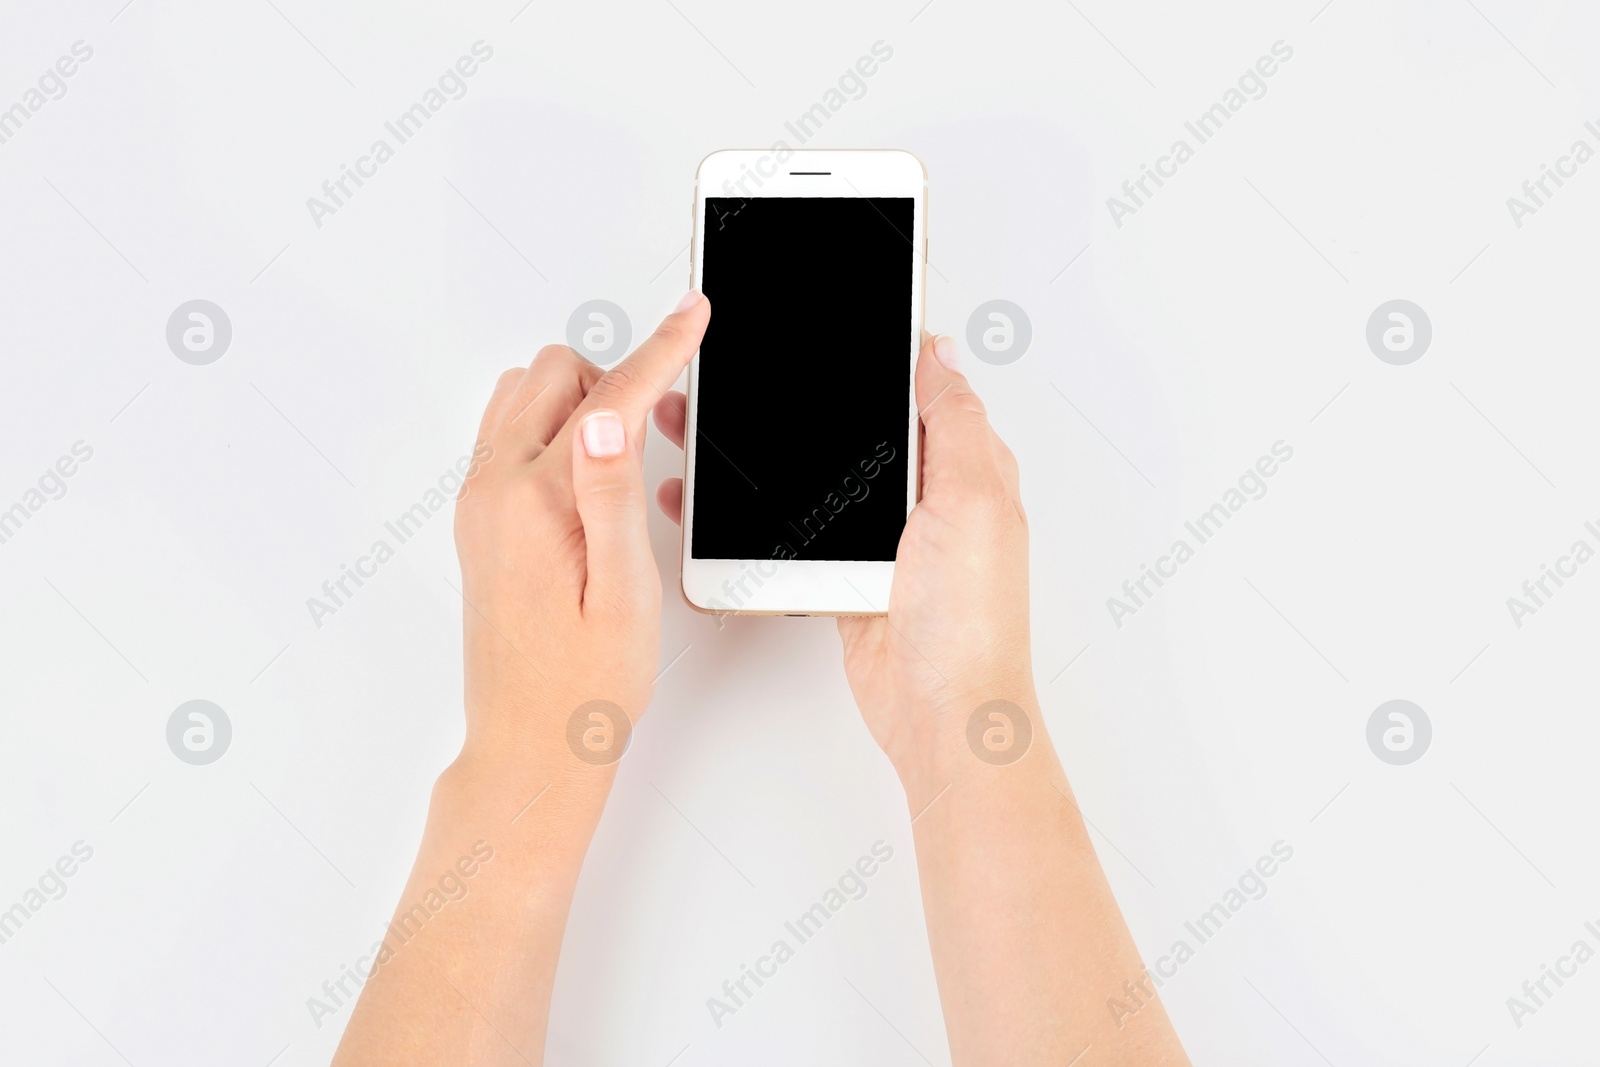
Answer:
(801, 436)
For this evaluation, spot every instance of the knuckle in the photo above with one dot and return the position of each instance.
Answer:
(620, 381)
(957, 404)
(967, 404)
(554, 354)
(612, 501)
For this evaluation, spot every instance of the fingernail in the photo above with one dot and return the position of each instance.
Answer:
(944, 347)
(690, 299)
(603, 434)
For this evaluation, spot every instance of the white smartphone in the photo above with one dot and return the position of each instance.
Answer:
(801, 442)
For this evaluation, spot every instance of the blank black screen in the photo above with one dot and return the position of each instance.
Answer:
(803, 394)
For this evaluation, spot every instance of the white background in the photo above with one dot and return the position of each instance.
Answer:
(1227, 314)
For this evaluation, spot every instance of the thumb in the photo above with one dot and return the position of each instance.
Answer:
(959, 443)
(608, 487)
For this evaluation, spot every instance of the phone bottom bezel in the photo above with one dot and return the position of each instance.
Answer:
(826, 588)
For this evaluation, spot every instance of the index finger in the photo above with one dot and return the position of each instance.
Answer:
(635, 385)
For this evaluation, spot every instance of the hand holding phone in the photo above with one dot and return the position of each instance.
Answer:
(957, 632)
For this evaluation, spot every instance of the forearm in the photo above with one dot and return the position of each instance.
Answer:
(468, 961)
(562, 623)
(1028, 943)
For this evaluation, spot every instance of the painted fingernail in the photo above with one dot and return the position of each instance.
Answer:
(944, 347)
(690, 299)
(603, 434)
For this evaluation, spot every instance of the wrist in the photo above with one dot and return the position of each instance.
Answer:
(517, 746)
(953, 737)
(523, 807)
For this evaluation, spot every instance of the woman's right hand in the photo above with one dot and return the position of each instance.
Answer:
(956, 636)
